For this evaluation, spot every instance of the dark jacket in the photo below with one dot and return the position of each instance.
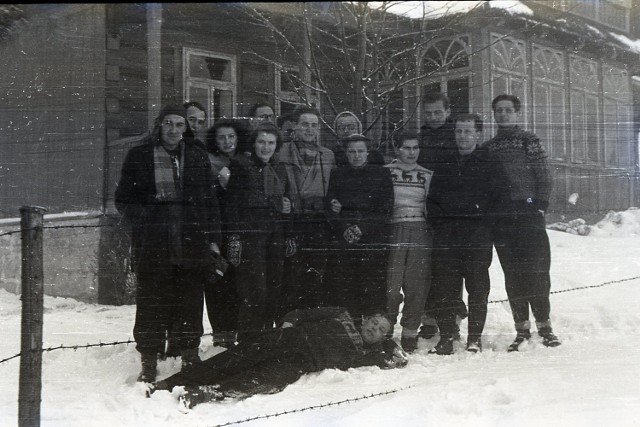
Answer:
(462, 199)
(366, 196)
(333, 340)
(523, 160)
(436, 145)
(136, 199)
(253, 198)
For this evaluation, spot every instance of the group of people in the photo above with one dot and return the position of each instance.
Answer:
(305, 225)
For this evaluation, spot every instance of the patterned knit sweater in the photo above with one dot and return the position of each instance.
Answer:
(523, 160)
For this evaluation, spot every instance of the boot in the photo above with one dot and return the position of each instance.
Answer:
(522, 335)
(474, 344)
(190, 357)
(444, 346)
(548, 337)
(149, 364)
(409, 344)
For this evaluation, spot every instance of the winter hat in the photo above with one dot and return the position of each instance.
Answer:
(176, 109)
(347, 113)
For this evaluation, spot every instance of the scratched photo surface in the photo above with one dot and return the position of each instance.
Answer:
(325, 213)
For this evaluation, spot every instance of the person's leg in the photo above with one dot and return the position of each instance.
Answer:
(395, 272)
(189, 293)
(223, 304)
(417, 277)
(251, 284)
(477, 261)
(154, 308)
(275, 260)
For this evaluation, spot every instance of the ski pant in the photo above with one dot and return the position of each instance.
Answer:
(304, 271)
(276, 358)
(169, 304)
(223, 303)
(408, 270)
(258, 280)
(523, 249)
(464, 255)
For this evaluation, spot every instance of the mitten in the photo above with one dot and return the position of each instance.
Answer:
(352, 234)
(394, 355)
(234, 250)
(291, 247)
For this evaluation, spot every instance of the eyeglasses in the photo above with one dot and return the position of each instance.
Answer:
(169, 124)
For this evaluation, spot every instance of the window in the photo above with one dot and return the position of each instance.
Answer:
(446, 68)
(210, 79)
(617, 118)
(585, 131)
(613, 13)
(549, 100)
(508, 68)
(291, 91)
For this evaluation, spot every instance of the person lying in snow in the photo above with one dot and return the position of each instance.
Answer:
(309, 340)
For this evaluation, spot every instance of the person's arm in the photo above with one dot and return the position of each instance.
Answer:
(127, 199)
(389, 355)
(537, 159)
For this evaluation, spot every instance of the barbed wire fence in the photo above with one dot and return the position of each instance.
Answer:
(265, 416)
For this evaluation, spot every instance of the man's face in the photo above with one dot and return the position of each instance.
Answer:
(307, 128)
(172, 127)
(197, 121)
(408, 152)
(288, 130)
(435, 115)
(467, 137)
(375, 329)
(357, 153)
(263, 115)
(505, 114)
(345, 126)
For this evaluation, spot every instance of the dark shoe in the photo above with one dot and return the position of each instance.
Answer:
(192, 396)
(474, 345)
(521, 336)
(189, 358)
(409, 344)
(149, 364)
(548, 337)
(444, 346)
(224, 339)
(428, 331)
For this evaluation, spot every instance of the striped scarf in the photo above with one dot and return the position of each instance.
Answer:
(169, 194)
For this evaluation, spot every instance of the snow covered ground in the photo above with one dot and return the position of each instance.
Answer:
(592, 379)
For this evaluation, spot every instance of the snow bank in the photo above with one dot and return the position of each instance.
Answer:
(619, 224)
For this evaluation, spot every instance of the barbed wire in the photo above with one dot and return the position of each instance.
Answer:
(212, 334)
(309, 408)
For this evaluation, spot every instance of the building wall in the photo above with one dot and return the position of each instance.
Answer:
(52, 115)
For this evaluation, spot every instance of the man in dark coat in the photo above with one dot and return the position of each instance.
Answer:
(461, 199)
(359, 202)
(519, 230)
(310, 340)
(437, 142)
(166, 194)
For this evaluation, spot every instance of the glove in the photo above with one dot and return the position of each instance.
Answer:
(234, 250)
(216, 268)
(394, 355)
(352, 234)
(291, 247)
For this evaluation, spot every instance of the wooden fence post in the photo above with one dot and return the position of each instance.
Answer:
(30, 391)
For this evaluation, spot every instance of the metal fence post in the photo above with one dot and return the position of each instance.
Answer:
(30, 391)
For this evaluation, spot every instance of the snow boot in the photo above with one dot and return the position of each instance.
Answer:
(549, 339)
(444, 346)
(474, 344)
(149, 363)
(190, 357)
(409, 344)
(522, 335)
(428, 331)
